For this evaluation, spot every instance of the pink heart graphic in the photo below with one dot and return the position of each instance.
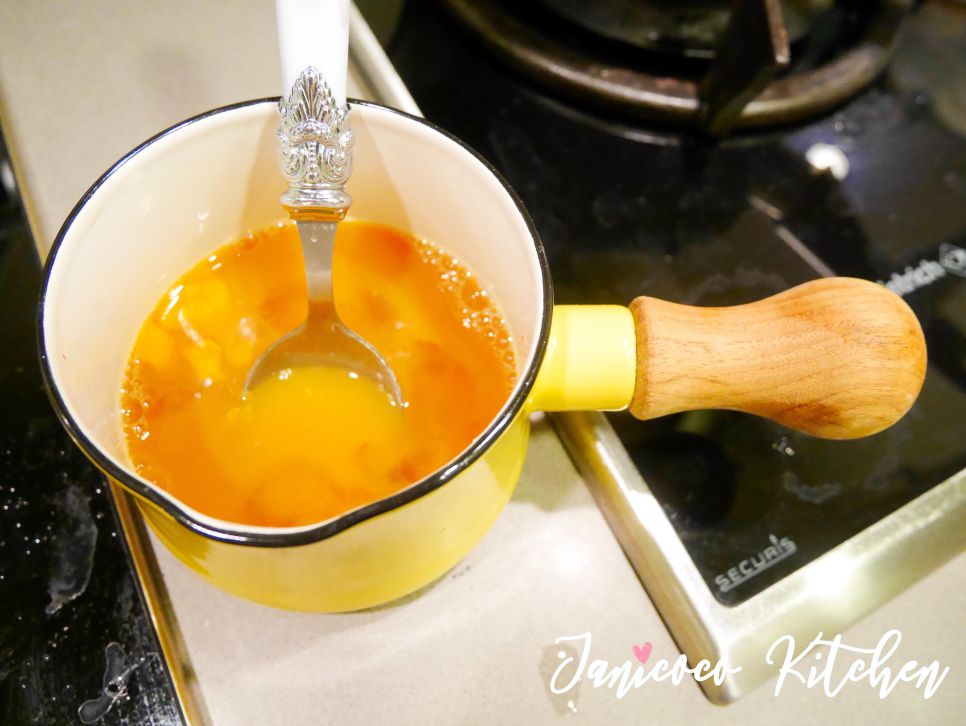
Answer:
(643, 652)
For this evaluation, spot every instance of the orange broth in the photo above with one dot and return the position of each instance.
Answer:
(308, 446)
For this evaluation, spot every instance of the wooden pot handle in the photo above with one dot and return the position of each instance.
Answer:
(838, 358)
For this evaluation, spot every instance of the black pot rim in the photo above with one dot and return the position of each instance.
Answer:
(239, 534)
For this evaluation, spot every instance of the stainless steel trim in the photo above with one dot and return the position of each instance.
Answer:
(370, 61)
(160, 610)
(828, 594)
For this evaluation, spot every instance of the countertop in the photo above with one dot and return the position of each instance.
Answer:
(81, 86)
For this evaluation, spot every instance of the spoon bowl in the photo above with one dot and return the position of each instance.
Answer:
(323, 339)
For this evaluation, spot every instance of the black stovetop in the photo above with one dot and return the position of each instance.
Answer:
(76, 641)
(625, 208)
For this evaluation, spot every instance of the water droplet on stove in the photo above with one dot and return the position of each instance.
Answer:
(73, 549)
(783, 447)
(828, 158)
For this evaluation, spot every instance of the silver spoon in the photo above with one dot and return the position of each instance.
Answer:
(315, 154)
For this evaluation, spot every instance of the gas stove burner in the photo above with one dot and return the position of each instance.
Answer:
(693, 28)
(701, 66)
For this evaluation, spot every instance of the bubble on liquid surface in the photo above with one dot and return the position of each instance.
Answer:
(478, 311)
(136, 401)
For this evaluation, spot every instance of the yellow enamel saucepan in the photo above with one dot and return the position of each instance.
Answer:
(838, 358)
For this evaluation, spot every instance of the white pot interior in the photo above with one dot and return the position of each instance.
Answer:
(182, 196)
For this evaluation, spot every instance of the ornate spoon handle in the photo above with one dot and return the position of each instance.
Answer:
(315, 138)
